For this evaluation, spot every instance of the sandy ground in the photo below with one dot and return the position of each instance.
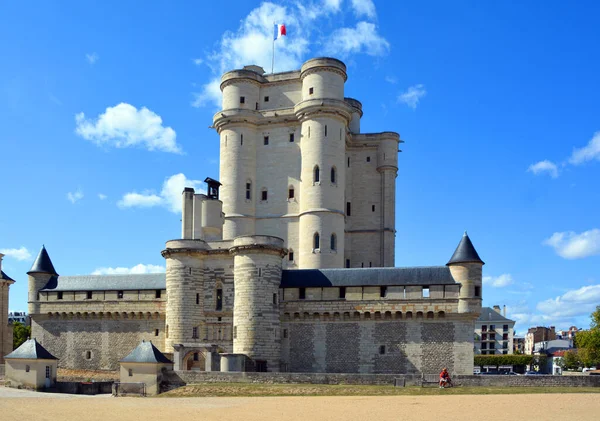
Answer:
(423, 408)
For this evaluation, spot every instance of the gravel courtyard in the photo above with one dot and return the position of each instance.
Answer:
(21, 405)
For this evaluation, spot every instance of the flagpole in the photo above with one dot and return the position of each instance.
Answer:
(273, 55)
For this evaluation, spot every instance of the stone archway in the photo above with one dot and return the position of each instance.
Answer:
(194, 360)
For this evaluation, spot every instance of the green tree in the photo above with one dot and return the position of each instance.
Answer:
(20, 334)
(588, 341)
(570, 360)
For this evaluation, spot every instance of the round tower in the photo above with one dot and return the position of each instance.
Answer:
(324, 118)
(257, 275)
(387, 166)
(236, 125)
(185, 291)
(466, 268)
(41, 273)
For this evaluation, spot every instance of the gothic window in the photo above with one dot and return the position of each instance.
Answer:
(333, 242)
(317, 175)
(333, 175)
(316, 241)
(248, 190)
(219, 305)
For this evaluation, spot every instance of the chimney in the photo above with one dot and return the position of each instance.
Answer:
(1, 256)
(497, 309)
(504, 311)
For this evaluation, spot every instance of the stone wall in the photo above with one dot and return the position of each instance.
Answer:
(384, 346)
(189, 377)
(95, 344)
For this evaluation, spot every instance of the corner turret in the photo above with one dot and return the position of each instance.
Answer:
(466, 268)
(40, 273)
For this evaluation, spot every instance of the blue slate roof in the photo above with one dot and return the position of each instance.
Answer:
(43, 264)
(465, 252)
(107, 282)
(299, 278)
(30, 350)
(5, 277)
(146, 352)
(488, 314)
(307, 278)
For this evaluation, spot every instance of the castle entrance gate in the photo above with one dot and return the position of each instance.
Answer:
(198, 357)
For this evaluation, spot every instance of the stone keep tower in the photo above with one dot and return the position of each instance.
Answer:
(466, 268)
(294, 165)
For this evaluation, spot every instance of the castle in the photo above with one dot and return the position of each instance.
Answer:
(286, 264)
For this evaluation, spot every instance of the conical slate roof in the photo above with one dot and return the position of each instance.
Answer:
(465, 252)
(42, 263)
(5, 277)
(31, 350)
(146, 352)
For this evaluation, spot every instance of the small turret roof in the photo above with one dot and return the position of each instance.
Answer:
(465, 252)
(42, 263)
(5, 277)
(30, 350)
(146, 352)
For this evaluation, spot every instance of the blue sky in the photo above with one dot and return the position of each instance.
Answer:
(105, 108)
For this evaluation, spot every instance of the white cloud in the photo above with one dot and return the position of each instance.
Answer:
(413, 95)
(198, 61)
(571, 245)
(391, 79)
(252, 42)
(102, 196)
(18, 254)
(333, 5)
(169, 196)
(589, 152)
(498, 281)
(92, 57)
(75, 196)
(361, 39)
(124, 126)
(544, 167)
(137, 269)
(364, 8)
(573, 303)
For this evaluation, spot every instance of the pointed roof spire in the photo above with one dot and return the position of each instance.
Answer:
(465, 252)
(43, 264)
(146, 352)
(31, 350)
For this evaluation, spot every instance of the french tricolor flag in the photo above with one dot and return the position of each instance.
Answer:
(279, 31)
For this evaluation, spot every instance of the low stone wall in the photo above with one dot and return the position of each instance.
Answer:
(528, 381)
(180, 378)
(187, 377)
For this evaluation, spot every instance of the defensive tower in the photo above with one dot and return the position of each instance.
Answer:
(41, 272)
(466, 268)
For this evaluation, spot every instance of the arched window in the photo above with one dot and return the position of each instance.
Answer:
(316, 241)
(333, 242)
(248, 190)
(333, 175)
(317, 175)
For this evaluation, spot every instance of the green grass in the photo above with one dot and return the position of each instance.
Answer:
(256, 389)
